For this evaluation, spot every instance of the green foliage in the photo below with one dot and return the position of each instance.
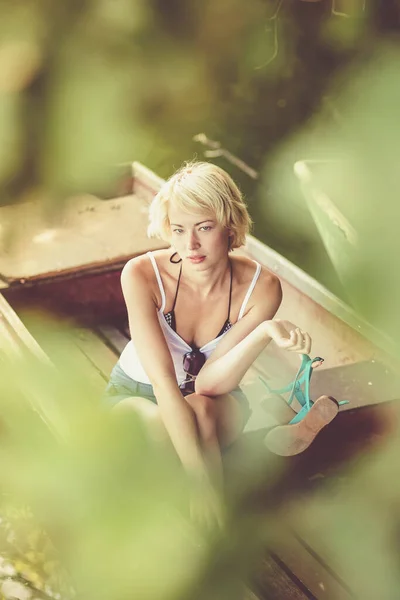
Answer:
(89, 506)
(350, 186)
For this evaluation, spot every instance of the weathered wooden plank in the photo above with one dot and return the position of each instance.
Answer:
(97, 352)
(309, 570)
(16, 333)
(56, 339)
(17, 343)
(273, 582)
(84, 233)
(339, 333)
(319, 546)
(145, 182)
(361, 384)
(114, 338)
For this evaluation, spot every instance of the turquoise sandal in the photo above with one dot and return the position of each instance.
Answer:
(298, 434)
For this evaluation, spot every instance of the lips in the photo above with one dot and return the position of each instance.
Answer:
(196, 258)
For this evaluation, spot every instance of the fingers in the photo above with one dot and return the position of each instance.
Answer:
(289, 343)
(297, 338)
(302, 342)
(298, 341)
(308, 342)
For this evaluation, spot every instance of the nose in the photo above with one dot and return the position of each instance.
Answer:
(193, 241)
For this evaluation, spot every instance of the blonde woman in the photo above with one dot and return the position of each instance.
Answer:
(198, 318)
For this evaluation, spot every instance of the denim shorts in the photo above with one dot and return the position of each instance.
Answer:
(121, 386)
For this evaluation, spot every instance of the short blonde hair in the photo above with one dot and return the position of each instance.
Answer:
(197, 186)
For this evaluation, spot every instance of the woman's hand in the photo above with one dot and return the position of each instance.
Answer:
(288, 337)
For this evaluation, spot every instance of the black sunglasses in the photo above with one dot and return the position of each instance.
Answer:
(192, 363)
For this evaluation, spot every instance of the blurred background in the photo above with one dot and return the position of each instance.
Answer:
(306, 95)
(87, 86)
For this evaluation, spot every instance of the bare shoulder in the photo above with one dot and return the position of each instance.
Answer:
(268, 282)
(246, 269)
(134, 269)
(267, 293)
(140, 271)
(136, 277)
(141, 266)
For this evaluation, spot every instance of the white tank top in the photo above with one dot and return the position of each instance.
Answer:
(129, 360)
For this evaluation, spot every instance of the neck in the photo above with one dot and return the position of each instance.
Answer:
(208, 281)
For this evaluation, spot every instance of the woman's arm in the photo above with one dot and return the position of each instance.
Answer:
(235, 354)
(223, 374)
(240, 347)
(154, 354)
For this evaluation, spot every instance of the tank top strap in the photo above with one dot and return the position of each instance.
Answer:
(230, 293)
(250, 290)
(159, 280)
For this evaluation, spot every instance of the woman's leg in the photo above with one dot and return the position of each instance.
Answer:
(220, 421)
(206, 418)
(231, 419)
(148, 411)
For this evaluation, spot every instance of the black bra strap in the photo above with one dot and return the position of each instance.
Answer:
(177, 288)
(174, 262)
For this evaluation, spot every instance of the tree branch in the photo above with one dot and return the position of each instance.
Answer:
(216, 151)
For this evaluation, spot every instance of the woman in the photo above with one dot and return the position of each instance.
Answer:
(198, 319)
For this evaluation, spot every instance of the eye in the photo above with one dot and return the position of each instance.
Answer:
(177, 230)
(206, 227)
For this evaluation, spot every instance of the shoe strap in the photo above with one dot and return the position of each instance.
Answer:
(297, 392)
(290, 386)
(303, 376)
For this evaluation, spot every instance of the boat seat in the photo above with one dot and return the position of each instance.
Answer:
(87, 234)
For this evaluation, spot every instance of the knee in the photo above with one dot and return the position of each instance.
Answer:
(146, 412)
(206, 415)
(205, 407)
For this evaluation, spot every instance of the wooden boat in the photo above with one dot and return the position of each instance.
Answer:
(334, 225)
(70, 268)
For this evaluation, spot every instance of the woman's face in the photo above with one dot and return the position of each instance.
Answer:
(197, 237)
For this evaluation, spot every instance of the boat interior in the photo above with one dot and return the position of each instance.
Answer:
(70, 268)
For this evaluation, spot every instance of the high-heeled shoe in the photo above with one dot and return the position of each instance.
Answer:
(300, 432)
